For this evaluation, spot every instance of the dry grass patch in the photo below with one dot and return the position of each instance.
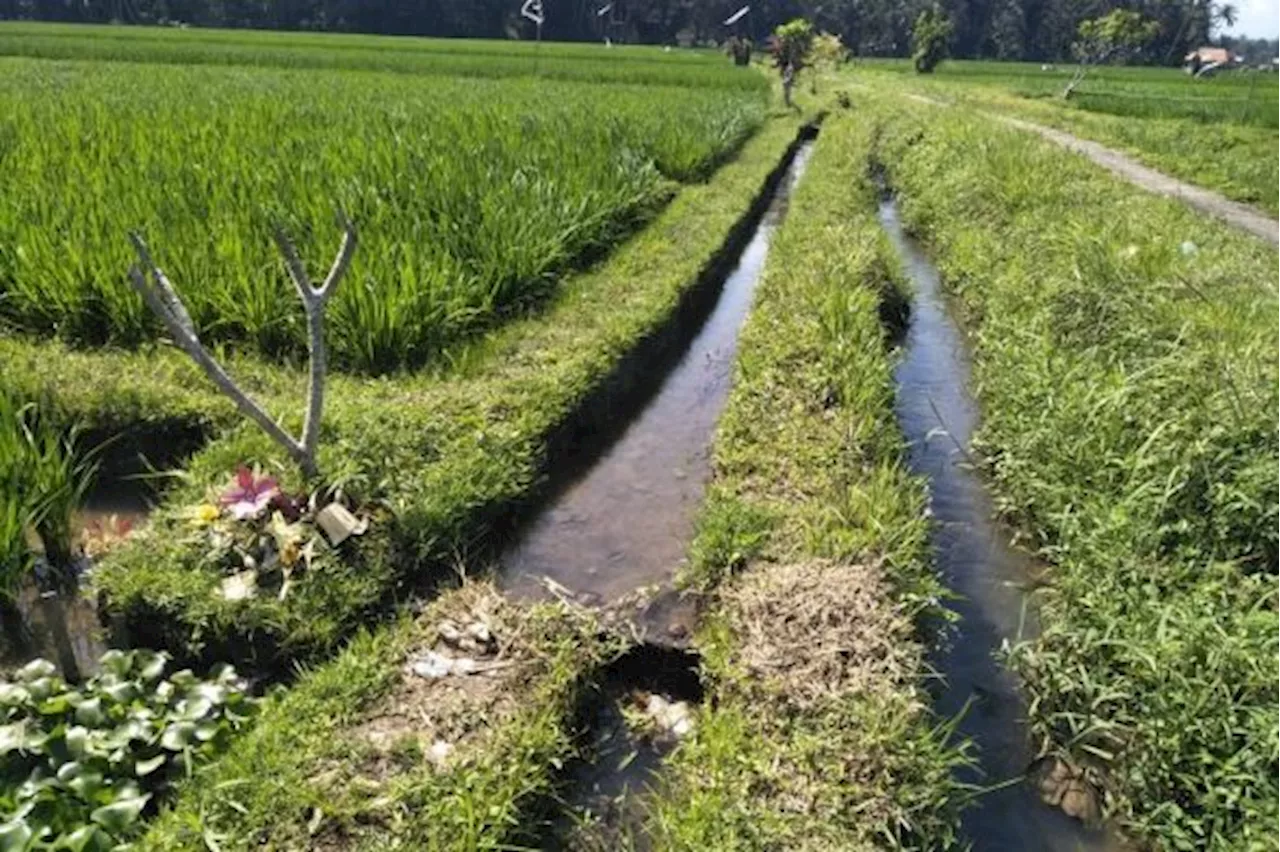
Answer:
(817, 629)
(458, 708)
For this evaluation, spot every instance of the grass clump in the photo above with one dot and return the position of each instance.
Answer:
(44, 475)
(1127, 369)
(813, 549)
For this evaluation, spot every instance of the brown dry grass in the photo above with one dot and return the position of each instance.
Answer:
(457, 709)
(810, 630)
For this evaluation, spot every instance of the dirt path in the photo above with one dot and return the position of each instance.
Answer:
(1234, 213)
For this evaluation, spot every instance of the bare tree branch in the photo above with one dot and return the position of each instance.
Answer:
(165, 302)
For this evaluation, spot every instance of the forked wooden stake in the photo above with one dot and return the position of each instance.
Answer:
(166, 304)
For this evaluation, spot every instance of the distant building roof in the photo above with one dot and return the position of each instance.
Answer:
(1220, 55)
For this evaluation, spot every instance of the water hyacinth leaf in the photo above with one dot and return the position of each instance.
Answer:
(90, 713)
(184, 679)
(15, 836)
(55, 706)
(13, 737)
(76, 740)
(68, 772)
(87, 785)
(145, 767)
(83, 838)
(121, 814)
(195, 708)
(115, 662)
(152, 665)
(207, 731)
(178, 736)
(35, 670)
(43, 687)
(121, 693)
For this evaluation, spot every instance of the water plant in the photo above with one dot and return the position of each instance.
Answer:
(80, 765)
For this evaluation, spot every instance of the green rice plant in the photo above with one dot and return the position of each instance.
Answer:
(44, 477)
(471, 196)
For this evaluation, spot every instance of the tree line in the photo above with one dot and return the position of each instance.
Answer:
(1037, 30)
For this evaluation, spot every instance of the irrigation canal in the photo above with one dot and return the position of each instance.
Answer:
(990, 578)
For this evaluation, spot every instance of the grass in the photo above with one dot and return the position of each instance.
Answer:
(813, 546)
(1227, 152)
(1126, 365)
(344, 759)
(205, 161)
(451, 458)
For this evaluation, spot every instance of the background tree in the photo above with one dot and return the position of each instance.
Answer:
(1114, 37)
(792, 43)
(791, 46)
(929, 40)
(828, 51)
(1036, 30)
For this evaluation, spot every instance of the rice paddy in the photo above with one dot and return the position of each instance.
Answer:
(471, 196)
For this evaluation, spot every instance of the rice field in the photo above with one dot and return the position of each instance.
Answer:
(471, 195)
(1242, 97)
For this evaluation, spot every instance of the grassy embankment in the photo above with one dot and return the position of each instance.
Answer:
(1220, 133)
(363, 754)
(813, 548)
(1126, 365)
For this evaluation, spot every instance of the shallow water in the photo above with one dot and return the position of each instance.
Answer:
(938, 415)
(627, 521)
(64, 627)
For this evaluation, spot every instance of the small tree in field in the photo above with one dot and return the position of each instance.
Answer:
(929, 40)
(827, 53)
(792, 43)
(1113, 37)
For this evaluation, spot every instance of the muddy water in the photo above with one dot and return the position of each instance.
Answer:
(627, 521)
(938, 414)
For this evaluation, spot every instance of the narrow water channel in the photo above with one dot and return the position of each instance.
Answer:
(991, 578)
(627, 521)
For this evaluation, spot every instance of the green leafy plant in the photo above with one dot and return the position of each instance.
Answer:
(80, 765)
(929, 40)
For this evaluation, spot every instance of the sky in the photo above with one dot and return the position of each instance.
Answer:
(1258, 18)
